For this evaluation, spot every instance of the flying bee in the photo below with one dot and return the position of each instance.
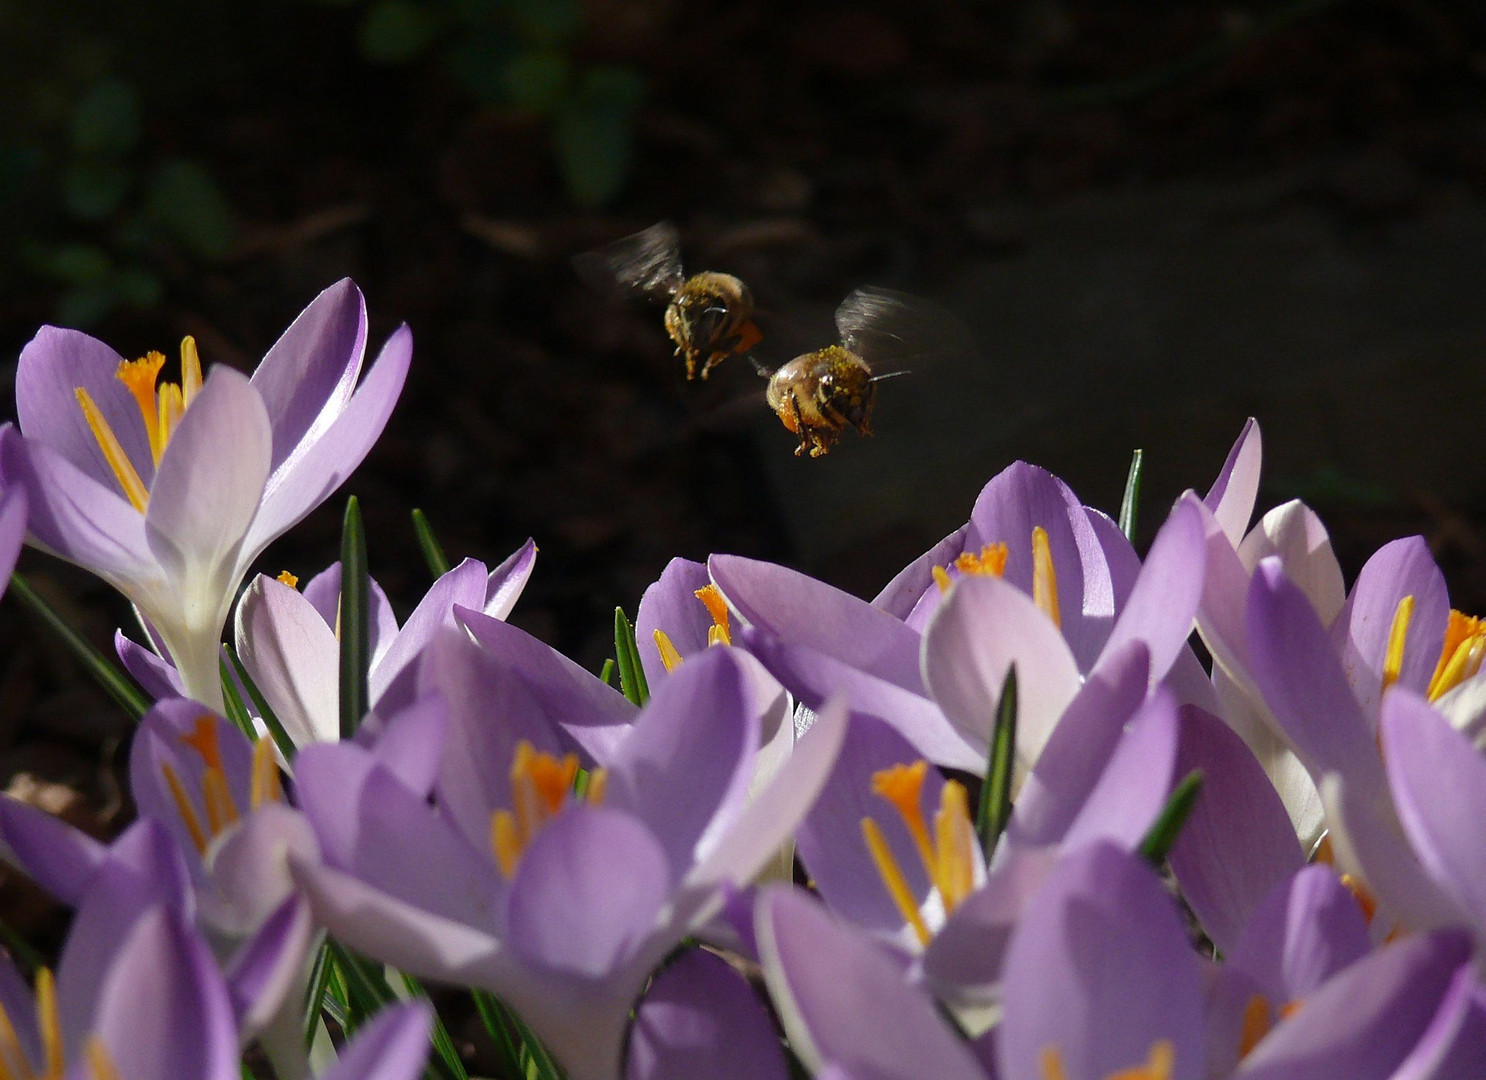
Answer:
(820, 394)
(708, 315)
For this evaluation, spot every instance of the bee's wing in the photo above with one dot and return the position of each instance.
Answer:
(648, 261)
(887, 327)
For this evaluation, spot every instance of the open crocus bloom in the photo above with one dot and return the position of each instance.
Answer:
(169, 491)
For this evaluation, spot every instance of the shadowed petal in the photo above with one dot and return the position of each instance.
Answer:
(1305, 931)
(464, 586)
(1135, 784)
(155, 675)
(1293, 532)
(392, 1046)
(12, 530)
(701, 1018)
(670, 605)
(293, 657)
(271, 966)
(1231, 498)
(504, 585)
(57, 856)
(901, 595)
(1454, 1044)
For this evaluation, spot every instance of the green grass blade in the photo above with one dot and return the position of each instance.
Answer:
(500, 1025)
(995, 795)
(606, 673)
(232, 703)
(355, 631)
(270, 720)
(1129, 504)
(114, 682)
(433, 551)
(631, 672)
(1168, 825)
(443, 1042)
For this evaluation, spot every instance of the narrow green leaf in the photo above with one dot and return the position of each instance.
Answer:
(232, 703)
(265, 712)
(433, 551)
(114, 682)
(536, 1062)
(631, 674)
(355, 631)
(443, 1042)
(995, 795)
(366, 991)
(501, 1027)
(26, 958)
(1128, 504)
(606, 673)
(319, 988)
(1165, 829)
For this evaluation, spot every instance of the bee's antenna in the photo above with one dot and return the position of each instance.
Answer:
(759, 366)
(889, 375)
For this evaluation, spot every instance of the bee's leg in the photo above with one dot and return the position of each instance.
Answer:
(691, 362)
(713, 360)
(799, 425)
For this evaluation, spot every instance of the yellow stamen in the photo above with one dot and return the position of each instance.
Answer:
(1157, 1064)
(129, 481)
(221, 810)
(1051, 1062)
(942, 578)
(1290, 1008)
(598, 784)
(49, 1023)
(286, 578)
(100, 1061)
(1364, 897)
(892, 877)
(552, 780)
(523, 795)
(184, 808)
(1044, 579)
(265, 787)
(711, 598)
(1397, 634)
(506, 842)
(668, 654)
(1461, 655)
(13, 1063)
(172, 408)
(203, 739)
(990, 561)
(190, 370)
(902, 786)
(139, 376)
(1257, 1020)
(956, 845)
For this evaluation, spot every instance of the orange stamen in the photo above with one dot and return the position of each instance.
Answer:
(1257, 1020)
(113, 453)
(286, 578)
(139, 376)
(1364, 897)
(184, 808)
(1461, 655)
(711, 598)
(1044, 578)
(265, 785)
(100, 1062)
(892, 876)
(991, 561)
(902, 786)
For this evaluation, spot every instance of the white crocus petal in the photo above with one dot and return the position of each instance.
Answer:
(1294, 533)
(203, 502)
(292, 655)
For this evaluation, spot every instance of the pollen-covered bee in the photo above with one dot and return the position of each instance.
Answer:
(708, 315)
(820, 394)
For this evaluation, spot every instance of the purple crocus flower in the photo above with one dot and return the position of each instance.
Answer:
(12, 531)
(506, 879)
(170, 492)
(288, 641)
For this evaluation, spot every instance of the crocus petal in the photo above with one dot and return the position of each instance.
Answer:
(830, 839)
(1135, 784)
(1237, 844)
(900, 596)
(687, 763)
(1100, 969)
(813, 677)
(1220, 617)
(306, 377)
(323, 591)
(1454, 1044)
(293, 657)
(983, 627)
(844, 1001)
(1305, 931)
(463, 586)
(1439, 787)
(580, 704)
(1163, 603)
(266, 970)
(1022, 497)
(52, 366)
(1362, 1023)
(1079, 747)
(12, 530)
(1231, 498)
(77, 517)
(250, 868)
(588, 893)
(1302, 680)
(155, 675)
(753, 836)
(393, 1045)
(670, 605)
(504, 585)
(1293, 532)
(162, 1009)
(1403, 568)
(803, 611)
(318, 466)
(57, 856)
(701, 1018)
(411, 744)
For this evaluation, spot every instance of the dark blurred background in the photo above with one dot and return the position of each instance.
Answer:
(1156, 219)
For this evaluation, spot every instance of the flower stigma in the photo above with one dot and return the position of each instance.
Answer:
(216, 793)
(286, 578)
(1157, 1064)
(160, 406)
(991, 561)
(541, 785)
(948, 854)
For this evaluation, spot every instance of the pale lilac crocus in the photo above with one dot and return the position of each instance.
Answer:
(170, 491)
(289, 640)
(560, 904)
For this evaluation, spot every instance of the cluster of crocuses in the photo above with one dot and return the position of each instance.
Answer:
(1000, 821)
